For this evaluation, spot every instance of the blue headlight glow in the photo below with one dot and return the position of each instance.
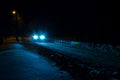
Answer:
(42, 37)
(35, 37)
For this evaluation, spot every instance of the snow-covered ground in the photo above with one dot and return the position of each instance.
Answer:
(71, 60)
(17, 63)
(90, 46)
(91, 56)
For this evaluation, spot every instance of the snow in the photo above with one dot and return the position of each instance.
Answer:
(17, 63)
(94, 57)
(106, 67)
(90, 46)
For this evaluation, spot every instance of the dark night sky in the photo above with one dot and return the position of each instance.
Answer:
(82, 19)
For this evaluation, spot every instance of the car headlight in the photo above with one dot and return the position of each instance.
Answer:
(42, 37)
(35, 37)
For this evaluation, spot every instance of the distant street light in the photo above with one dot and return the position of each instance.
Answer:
(14, 12)
(16, 24)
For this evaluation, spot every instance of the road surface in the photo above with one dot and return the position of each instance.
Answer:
(17, 63)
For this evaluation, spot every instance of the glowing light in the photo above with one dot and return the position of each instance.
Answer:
(42, 37)
(14, 12)
(35, 37)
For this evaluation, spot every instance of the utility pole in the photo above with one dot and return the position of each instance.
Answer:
(16, 25)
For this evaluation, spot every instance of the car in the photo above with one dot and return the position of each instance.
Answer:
(39, 37)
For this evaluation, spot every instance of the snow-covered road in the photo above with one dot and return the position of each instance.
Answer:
(17, 63)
